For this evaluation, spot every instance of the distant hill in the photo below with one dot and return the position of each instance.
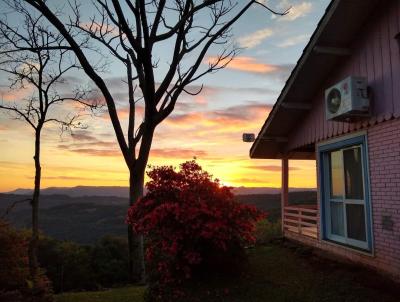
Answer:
(86, 219)
(80, 219)
(271, 203)
(81, 191)
(49, 201)
(84, 223)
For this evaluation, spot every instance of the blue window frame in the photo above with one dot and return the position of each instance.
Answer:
(345, 198)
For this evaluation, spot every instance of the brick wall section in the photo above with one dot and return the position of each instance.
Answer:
(384, 169)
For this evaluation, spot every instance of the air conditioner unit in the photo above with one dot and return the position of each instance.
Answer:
(347, 99)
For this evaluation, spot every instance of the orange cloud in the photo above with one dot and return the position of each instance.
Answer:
(123, 113)
(238, 117)
(200, 99)
(186, 119)
(178, 153)
(95, 152)
(110, 149)
(251, 181)
(63, 177)
(269, 168)
(89, 145)
(83, 135)
(247, 64)
(159, 153)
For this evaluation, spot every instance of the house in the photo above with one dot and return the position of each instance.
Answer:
(357, 156)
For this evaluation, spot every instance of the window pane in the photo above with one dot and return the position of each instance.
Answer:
(336, 165)
(353, 173)
(355, 221)
(337, 220)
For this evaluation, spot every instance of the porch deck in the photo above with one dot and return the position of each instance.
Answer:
(301, 219)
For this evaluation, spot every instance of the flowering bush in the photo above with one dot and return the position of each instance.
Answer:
(191, 224)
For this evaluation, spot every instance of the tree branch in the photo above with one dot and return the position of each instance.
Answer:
(90, 71)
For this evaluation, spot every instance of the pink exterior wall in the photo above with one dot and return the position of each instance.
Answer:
(384, 169)
(375, 54)
(383, 143)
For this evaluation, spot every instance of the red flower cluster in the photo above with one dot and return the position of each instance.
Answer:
(187, 218)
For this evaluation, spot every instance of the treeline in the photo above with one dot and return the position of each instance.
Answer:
(71, 266)
(66, 265)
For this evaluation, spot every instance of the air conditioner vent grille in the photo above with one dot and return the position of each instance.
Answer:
(347, 99)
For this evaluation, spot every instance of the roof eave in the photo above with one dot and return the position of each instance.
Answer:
(308, 50)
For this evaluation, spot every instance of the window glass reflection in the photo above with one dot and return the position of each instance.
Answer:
(336, 164)
(353, 173)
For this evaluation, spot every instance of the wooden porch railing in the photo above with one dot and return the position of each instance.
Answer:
(301, 220)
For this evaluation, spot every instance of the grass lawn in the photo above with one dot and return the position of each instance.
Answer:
(275, 273)
(125, 294)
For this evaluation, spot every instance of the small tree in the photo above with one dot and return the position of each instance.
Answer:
(186, 31)
(192, 226)
(35, 57)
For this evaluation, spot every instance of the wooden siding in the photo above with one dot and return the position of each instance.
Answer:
(376, 56)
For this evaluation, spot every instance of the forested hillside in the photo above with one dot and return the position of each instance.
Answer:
(87, 219)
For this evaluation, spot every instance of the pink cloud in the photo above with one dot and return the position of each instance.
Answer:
(15, 95)
(236, 116)
(247, 64)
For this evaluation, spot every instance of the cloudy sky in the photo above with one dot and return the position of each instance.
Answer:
(207, 126)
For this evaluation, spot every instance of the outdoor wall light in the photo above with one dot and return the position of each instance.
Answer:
(249, 137)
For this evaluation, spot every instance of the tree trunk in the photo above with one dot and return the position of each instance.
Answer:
(136, 244)
(136, 184)
(33, 245)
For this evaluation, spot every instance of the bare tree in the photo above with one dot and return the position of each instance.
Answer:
(132, 31)
(36, 59)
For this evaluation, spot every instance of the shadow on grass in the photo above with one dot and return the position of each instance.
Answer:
(283, 271)
(276, 272)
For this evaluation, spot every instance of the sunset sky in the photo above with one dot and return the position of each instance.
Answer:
(208, 126)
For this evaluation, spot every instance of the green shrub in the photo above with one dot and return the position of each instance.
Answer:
(67, 264)
(267, 231)
(71, 266)
(16, 284)
(109, 259)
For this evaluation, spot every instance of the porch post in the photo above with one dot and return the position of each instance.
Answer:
(284, 188)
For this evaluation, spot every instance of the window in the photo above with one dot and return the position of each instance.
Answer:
(344, 193)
